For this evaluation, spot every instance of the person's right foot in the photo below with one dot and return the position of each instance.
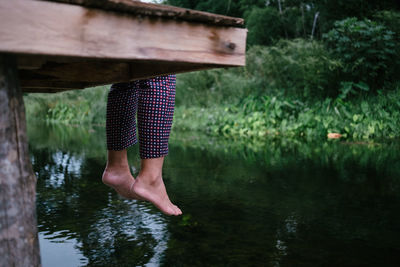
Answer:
(153, 190)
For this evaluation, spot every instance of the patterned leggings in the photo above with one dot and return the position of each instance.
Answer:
(153, 100)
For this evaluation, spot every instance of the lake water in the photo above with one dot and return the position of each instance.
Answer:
(277, 203)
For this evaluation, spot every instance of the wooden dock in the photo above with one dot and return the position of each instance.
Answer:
(74, 44)
(52, 46)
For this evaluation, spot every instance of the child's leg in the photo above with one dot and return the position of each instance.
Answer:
(155, 112)
(121, 133)
(121, 112)
(156, 105)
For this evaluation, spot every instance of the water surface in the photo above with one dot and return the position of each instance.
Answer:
(277, 203)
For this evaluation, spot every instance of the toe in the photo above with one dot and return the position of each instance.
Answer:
(177, 210)
(170, 211)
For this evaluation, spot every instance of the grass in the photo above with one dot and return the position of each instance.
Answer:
(72, 107)
(364, 117)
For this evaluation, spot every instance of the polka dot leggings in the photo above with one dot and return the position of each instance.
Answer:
(153, 101)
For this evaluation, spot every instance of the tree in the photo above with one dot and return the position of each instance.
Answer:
(265, 26)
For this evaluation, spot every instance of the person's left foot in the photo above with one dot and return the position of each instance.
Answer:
(153, 190)
(121, 180)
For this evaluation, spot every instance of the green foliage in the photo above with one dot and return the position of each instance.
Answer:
(235, 8)
(350, 88)
(214, 87)
(265, 26)
(297, 16)
(365, 48)
(391, 19)
(368, 117)
(198, 88)
(73, 107)
(300, 67)
(298, 20)
(66, 114)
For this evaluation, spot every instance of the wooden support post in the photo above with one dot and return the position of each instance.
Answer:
(19, 244)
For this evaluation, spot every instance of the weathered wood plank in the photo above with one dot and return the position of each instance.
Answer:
(48, 90)
(149, 9)
(69, 30)
(78, 75)
(33, 62)
(18, 232)
(39, 83)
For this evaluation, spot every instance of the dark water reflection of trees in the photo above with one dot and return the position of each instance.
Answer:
(278, 203)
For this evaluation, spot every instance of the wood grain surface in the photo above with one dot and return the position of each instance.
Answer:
(18, 232)
(149, 9)
(68, 46)
(70, 30)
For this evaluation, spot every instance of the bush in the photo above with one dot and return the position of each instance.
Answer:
(364, 117)
(214, 87)
(265, 26)
(298, 66)
(86, 106)
(366, 49)
(391, 19)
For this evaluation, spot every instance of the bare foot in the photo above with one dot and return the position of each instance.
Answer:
(153, 190)
(121, 180)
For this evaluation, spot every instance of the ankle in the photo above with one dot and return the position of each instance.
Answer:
(149, 178)
(115, 173)
(116, 168)
(112, 177)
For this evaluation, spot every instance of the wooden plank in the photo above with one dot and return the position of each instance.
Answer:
(49, 90)
(38, 83)
(80, 75)
(70, 30)
(18, 232)
(79, 72)
(32, 62)
(156, 10)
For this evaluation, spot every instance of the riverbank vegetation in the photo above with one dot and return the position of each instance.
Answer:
(313, 68)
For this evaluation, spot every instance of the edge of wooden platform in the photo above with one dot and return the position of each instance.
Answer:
(157, 10)
(57, 29)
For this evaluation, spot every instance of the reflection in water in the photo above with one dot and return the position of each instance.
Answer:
(78, 215)
(60, 251)
(284, 203)
(130, 229)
